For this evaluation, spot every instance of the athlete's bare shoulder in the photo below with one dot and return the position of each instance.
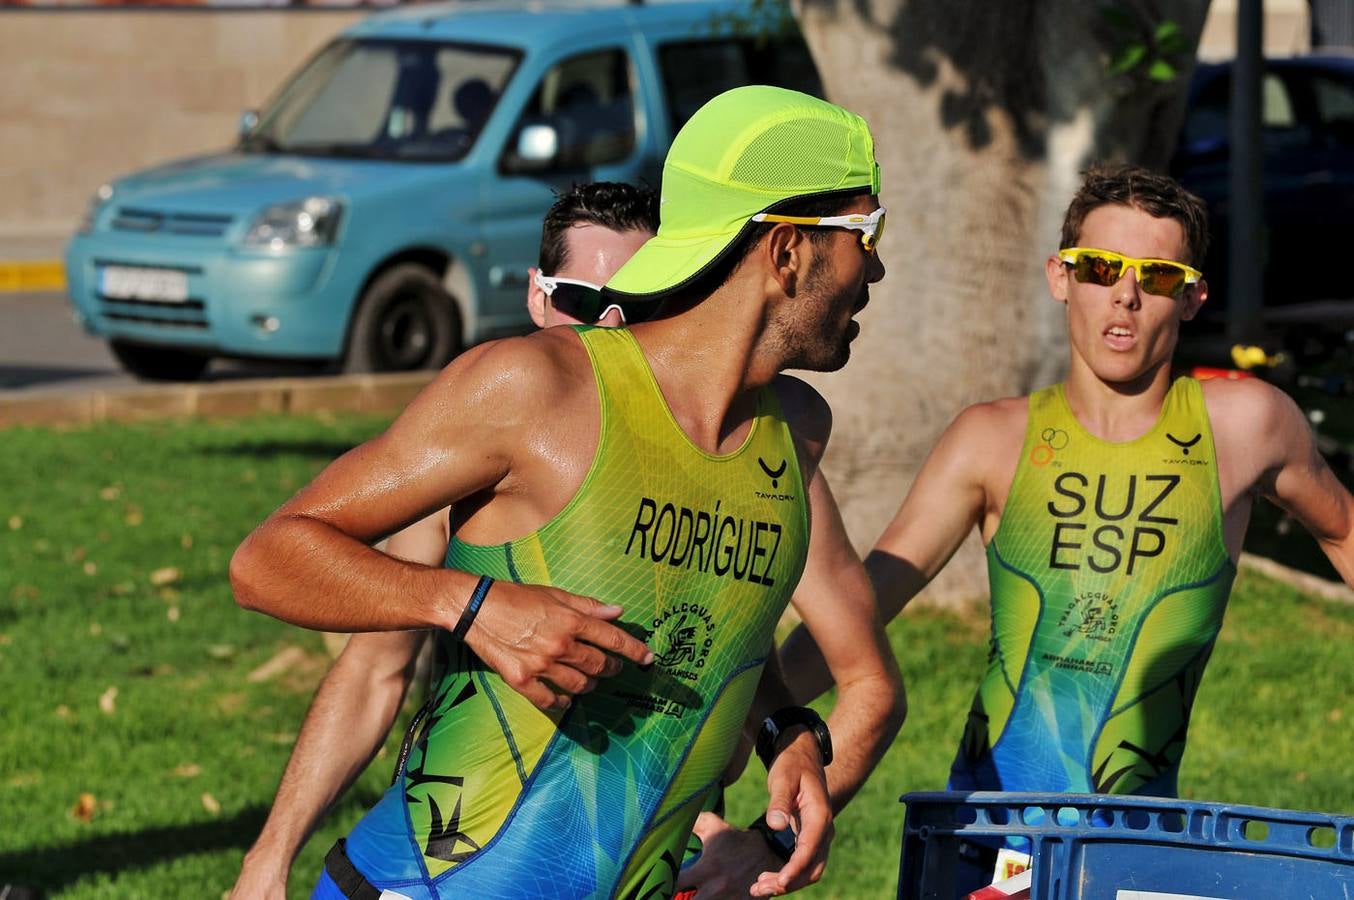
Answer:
(526, 371)
(1256, 428)
(1246, 404)
(496, 395)
(993, 427)
(809, 415)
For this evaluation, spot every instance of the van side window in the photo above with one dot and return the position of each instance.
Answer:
(588, 103)
(696, 71)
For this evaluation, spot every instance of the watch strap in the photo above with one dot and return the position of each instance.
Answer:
(781, 843)
(768, 738)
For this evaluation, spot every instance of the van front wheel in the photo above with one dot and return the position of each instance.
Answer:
(405, 321)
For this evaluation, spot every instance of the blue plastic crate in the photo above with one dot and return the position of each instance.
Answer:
(1093, 846)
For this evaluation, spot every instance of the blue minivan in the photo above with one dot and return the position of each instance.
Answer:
(381, 212)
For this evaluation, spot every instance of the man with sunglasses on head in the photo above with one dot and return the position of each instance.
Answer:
(1113, 508)
(667, 470)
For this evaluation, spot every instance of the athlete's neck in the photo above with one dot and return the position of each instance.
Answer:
(708, 368)
(1116, 411)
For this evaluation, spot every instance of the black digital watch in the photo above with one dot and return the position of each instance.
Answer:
(781, 843)
(774, 725)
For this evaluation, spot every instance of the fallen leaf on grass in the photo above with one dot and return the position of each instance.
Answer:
(134, 516)
(186, 541)
(123, 588)
(172, 614)
(210, 804)
(230, 702)
(5, 640)
(283, 737)
(166, 575)
(168, 594)
(111, 492)
(16, 522)
(84, 808)
(188, 770)
(108, 701)
(220, 651)
(63, 711)
(1335, 715)
(283, 660)
(90, 568)
(95, 629)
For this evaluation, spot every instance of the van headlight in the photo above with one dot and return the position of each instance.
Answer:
(311, 222)
(96, 203)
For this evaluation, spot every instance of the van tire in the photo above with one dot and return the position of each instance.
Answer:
(159, 363)
(405, 321)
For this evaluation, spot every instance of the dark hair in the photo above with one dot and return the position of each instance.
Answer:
(610, 204)
(1156, 195)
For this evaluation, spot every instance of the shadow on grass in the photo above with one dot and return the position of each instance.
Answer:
(50, 869)
(271, 449)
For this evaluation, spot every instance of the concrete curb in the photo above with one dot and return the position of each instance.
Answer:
(1302, 581)
(384, 393)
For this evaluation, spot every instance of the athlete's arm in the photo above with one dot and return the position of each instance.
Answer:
(950, 496)
(346, 724)
(310, 562)
(837, 606)
(1292, 472)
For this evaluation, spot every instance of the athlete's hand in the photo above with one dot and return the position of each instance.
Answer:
(260, 881)
(731, 859)
(799, 800)
(550, 645)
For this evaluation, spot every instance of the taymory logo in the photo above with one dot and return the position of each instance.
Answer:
(775, 474)
(1185, 445)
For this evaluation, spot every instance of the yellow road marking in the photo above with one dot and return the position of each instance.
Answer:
(32, 275)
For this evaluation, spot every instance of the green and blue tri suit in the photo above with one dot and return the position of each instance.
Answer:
(1109, 578)
(502, 800)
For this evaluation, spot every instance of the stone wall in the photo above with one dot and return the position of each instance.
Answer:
(90, 95)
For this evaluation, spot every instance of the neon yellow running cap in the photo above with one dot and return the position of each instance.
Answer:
(742, 153)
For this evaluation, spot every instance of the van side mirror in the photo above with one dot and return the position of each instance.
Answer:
(537, 147)
(249, 120)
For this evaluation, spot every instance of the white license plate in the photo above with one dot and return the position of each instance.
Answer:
(129, 283)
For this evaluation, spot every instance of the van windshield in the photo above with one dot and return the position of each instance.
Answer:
(386, 99)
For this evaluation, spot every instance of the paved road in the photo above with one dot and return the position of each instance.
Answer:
(42, 349)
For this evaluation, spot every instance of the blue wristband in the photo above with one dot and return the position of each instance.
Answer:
(472, 609)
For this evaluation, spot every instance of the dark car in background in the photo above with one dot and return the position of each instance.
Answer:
(1307, 139)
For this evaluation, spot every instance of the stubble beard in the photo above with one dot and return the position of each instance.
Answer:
(808, 346)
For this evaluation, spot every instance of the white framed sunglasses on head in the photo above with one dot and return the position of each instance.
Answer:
(584, 301)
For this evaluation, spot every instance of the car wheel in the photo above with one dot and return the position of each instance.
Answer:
(159, 363)
(405, 321)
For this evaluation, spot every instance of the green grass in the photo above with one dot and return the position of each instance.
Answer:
(182, 766)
